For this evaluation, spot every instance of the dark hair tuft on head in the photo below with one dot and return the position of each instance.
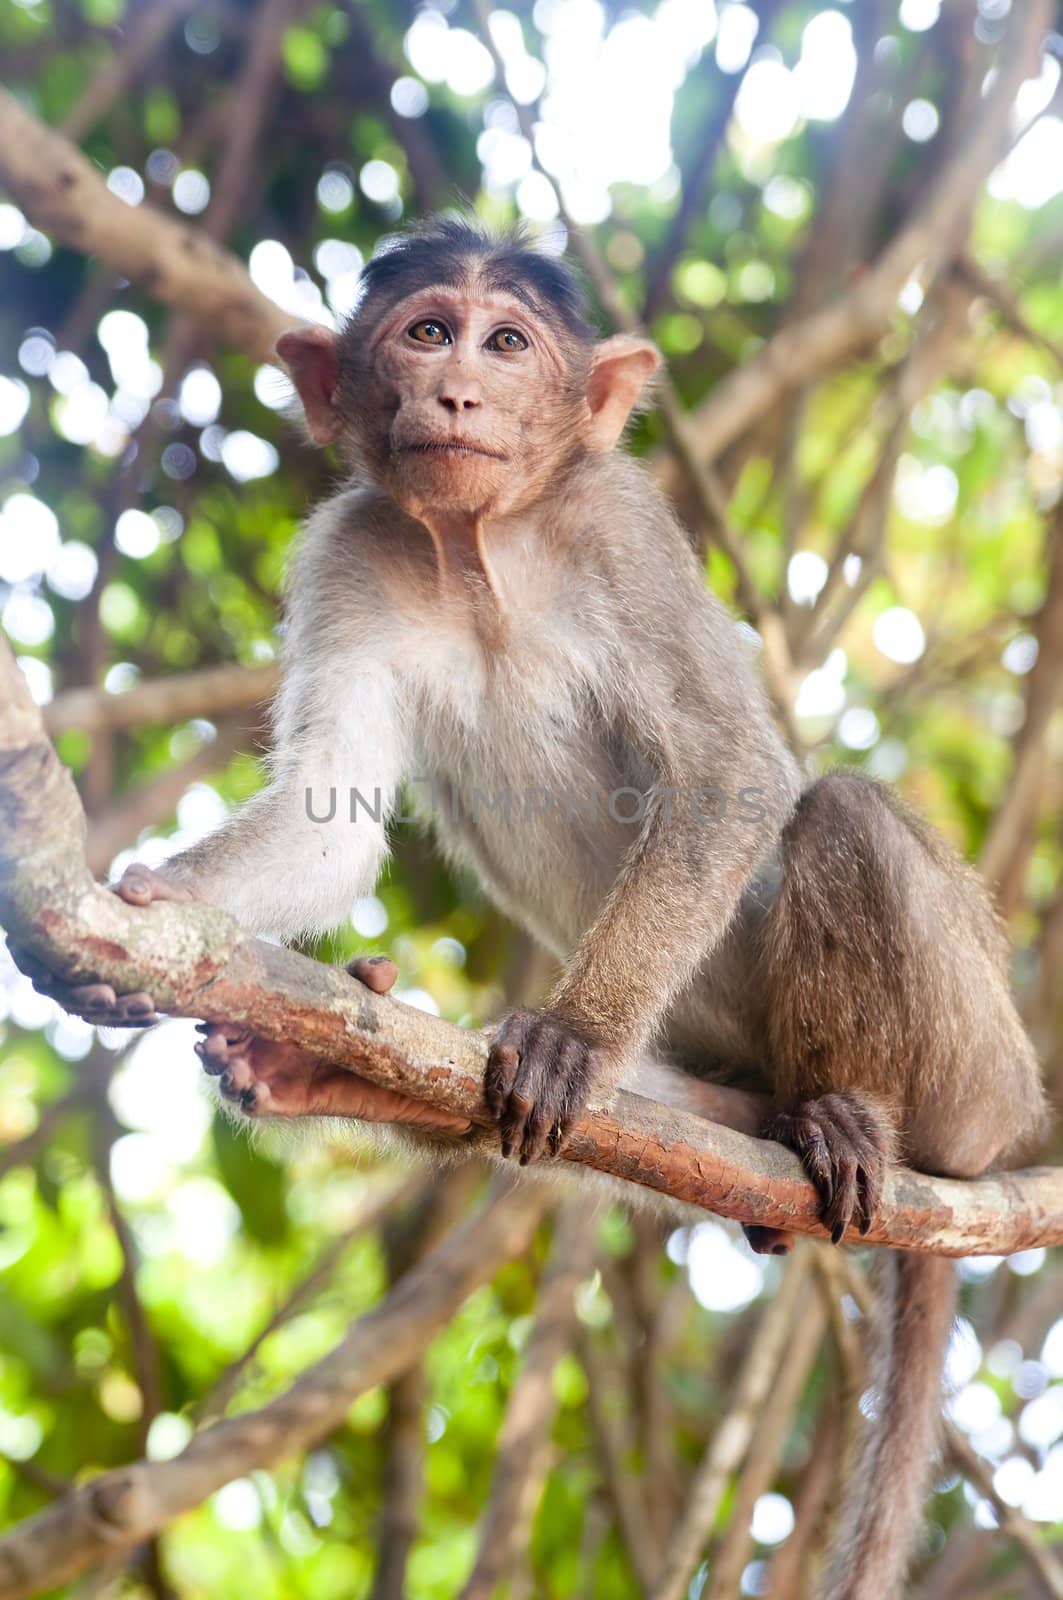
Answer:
(443, 249)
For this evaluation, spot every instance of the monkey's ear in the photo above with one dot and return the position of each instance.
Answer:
(619, 371)
(310, 357)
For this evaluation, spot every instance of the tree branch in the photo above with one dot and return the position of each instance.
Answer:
(208, 692)
(197, 963)
(64, 195)
(732, 1438)
(124, 1507)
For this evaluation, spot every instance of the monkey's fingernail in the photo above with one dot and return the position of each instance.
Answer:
(837, 1233)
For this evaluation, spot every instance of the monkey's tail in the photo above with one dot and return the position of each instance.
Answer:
(884, 1499)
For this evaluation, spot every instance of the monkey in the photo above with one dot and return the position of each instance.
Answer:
(499, 609)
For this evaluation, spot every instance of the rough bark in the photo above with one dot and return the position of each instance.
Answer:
(62, 193)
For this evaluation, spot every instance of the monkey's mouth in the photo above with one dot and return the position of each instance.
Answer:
(450, 447)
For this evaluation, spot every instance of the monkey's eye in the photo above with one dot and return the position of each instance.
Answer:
(506, 339)
(429, 332)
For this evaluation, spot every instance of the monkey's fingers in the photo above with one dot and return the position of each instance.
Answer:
(376, 972)
(845, 1200)
(862, 1125)
(536, 1085)
(97, 1003)
(503, 1061)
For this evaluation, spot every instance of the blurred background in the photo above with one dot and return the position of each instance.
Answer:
(824, 184)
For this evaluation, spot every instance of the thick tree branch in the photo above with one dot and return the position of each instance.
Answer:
(64, 195)
(197, 963)
(124, 1507)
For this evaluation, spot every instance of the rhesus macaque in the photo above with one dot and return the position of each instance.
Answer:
(499, 609)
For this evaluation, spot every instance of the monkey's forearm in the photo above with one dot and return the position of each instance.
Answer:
(664, 915)
(277, 871)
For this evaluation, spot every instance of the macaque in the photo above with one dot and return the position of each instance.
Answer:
(498, 610)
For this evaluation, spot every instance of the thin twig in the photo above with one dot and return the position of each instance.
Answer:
(1024, 1533)
(372, 1213)
(766, 1447)
(523, 1452)
(614, 1445)
(208, 692)
(731, 1439)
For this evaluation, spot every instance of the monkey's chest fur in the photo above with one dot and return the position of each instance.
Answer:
(521, 774)
(526, 778)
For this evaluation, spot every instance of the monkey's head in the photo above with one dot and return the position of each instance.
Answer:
(468, 375)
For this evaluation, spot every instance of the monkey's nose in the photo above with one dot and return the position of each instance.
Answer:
(459, 401)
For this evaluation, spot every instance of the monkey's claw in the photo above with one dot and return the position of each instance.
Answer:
(539, 1074)
(845, 1141)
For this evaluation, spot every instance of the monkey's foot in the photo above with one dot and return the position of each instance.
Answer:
(269, 1078)
(100, 1003)
(539, 1074)
(846, 1142)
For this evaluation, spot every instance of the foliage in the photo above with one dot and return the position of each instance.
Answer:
(150, 492)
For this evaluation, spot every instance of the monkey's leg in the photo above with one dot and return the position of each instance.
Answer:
(839, 976)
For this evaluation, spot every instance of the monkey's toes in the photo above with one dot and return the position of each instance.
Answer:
(222, 1045)
(376, 972)
(768, 1241)
(538, 1078)
(845, 1141)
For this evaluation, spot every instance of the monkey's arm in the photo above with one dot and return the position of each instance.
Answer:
(678, 889)
(670, 905)
(295, 857)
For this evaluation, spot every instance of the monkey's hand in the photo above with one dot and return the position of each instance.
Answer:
(539, 1074)
(846, 1142)
(269, 1078)
(98, 1003)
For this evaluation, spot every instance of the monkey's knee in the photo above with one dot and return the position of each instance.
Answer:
(841, 809)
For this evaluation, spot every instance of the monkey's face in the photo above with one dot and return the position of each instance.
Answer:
(468, 402)
(464, 400)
